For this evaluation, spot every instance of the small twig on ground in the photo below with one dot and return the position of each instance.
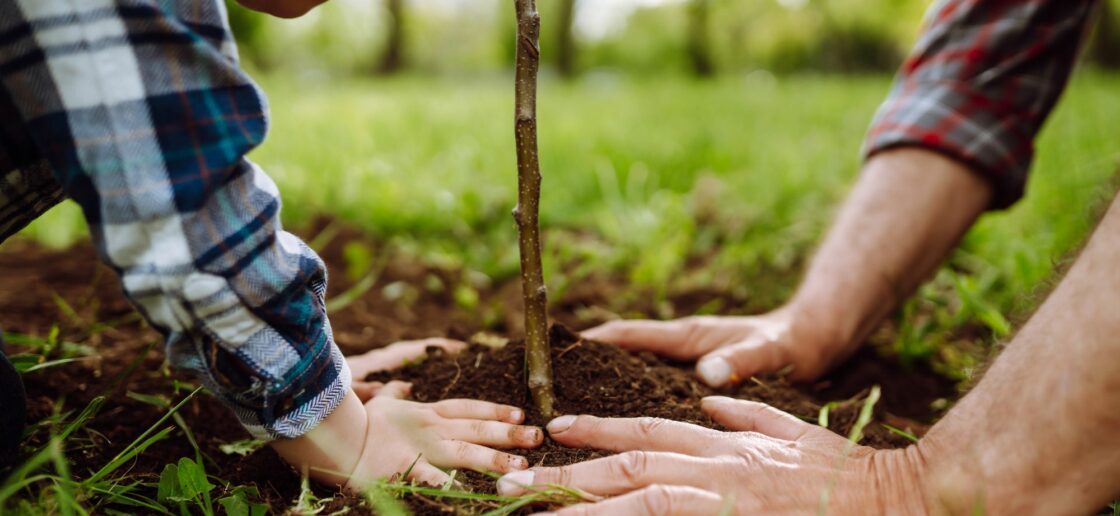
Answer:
(455, 380)
(569, 348)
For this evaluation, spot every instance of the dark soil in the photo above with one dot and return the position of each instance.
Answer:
(41, 289)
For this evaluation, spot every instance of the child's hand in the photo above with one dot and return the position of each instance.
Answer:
(375, 433)
(447, 434)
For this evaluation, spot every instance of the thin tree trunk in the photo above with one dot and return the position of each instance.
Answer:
(565, 39)
(699, 48)
(392, 60)
(538, 360)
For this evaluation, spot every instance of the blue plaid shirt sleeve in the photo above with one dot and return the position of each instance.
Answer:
(144, 118)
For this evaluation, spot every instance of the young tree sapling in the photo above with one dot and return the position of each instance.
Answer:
(537, 352)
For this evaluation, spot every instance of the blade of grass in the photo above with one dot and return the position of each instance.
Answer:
(139, 444)
(18, 479)
(359, 289)
(854, 437)
(120, 377)
(67, 504)
(51, 363)
(134, 449)
(900, 432)
(384, 503)
(112, 496)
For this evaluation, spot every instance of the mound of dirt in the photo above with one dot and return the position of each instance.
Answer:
(602, 380)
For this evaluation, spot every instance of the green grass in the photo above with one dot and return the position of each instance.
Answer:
(755, 163)
(741, 174)
(640, 178)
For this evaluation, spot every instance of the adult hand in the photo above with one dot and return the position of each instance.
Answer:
(731, 349)
(772, 463)
(393, 356)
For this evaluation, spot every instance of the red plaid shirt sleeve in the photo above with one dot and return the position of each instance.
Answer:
(980, 82)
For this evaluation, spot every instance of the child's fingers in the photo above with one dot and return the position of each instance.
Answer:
(366, 390)
(425, 473)
(460, 454)
(394, 389)
(475, 409)
(492, 433)
(397, 355)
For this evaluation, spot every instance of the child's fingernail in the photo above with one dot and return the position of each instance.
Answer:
(529, 435)
(517, 415)
(715, 371)
(519, 463)
(560, 424)
(514, 483)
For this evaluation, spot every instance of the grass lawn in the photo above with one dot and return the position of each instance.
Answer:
(668, 185)
(738, 175)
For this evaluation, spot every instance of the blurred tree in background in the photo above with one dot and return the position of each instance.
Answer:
(1104, 47)
(699, 37)
(566, 38)
(699, 42)
(392, 58)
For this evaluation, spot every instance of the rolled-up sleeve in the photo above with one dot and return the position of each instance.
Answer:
(980, 82)
(145, 118)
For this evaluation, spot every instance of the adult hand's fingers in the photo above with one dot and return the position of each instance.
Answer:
(366, 390)
(492, 433)
(425, 473)
(475, 409)
(397, 355)
(751, 416)
(395, 390)
(461, 454)
(653, 500)
(617, 474)
(643, 433)
(678, 339)
(736, 362)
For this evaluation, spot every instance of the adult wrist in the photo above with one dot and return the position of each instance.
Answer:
(900, 481)
(819, 335)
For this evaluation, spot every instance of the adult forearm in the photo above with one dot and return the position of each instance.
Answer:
(908, 210)
(1039, 433)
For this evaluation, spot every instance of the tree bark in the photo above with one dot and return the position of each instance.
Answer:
(537, 351)
(699, 47)
(565, 39)
(392, 59)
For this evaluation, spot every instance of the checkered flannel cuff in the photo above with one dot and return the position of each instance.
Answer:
(316, 397)
(985, 134)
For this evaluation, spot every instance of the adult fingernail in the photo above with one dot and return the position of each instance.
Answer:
(715, 371)
(560, 424)
(517, 415)
(715, 399)
(514, 483)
